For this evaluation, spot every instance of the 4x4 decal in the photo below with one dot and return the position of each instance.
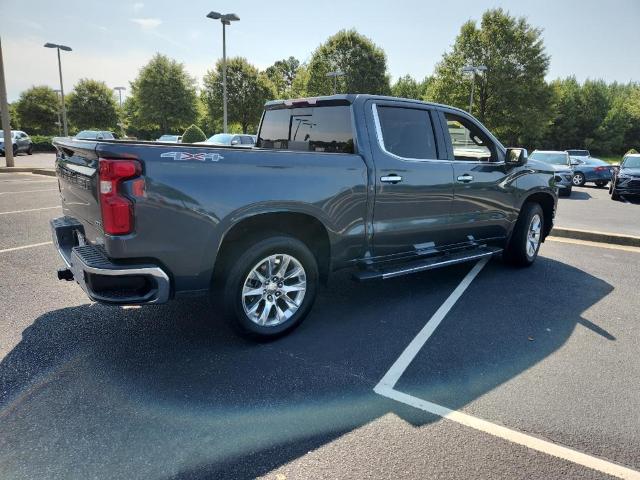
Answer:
(200, 157)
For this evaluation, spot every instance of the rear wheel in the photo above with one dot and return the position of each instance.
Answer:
(15, 150)
(271, 287)
(601, 183)
(524, 245)
(578, 179)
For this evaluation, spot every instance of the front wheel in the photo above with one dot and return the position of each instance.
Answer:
(271, 287)
(524, 245)
(30, 150)
(614, 195)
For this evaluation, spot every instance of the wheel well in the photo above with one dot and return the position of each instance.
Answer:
(546, 203)
(305, 228)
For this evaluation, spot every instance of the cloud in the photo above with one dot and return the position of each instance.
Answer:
(147, 23)
(137, 6)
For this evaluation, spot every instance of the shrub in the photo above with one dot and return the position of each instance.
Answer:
(42, 143)
(193, 134)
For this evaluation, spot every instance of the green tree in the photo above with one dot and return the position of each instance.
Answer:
(92, 105)
(364, 65)
(282, 74)
(247, 91)
(564, 130)
(163, 98)
(511, 97)
(299, 85)
(409, 87)
(620, 129)
(37, 109)
(193, 134)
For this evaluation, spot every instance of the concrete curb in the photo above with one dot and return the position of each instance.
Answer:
(37, 171)
(593, 236)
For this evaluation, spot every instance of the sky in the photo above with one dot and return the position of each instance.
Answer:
(112, 40)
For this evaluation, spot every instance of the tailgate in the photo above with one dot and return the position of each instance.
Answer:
(77, 171)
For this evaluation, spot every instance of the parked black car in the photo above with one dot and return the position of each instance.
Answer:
(382, 185)
(21, 142)
(626, 180)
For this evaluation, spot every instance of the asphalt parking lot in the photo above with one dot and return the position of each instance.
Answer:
(549, 353)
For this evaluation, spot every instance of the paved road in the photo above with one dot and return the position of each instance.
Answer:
(591, 208)
(91, 391)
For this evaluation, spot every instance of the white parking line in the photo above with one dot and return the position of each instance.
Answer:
(31, 191)
(29, 210)
(385, 387)
(6, 250)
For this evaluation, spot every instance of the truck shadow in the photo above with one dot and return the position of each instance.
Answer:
(172, 392)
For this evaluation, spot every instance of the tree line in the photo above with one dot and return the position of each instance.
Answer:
(512, 97)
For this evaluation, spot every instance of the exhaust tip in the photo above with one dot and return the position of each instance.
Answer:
(65, 274)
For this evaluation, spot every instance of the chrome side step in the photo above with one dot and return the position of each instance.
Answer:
(443, 260)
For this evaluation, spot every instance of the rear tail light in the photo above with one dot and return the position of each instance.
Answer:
(600, 169)
(117, 210)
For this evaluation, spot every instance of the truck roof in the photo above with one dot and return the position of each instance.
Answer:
(348, 98)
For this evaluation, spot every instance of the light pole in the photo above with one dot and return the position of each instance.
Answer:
(119, 90)
(225, 19)
(64, 110)
(59, 123)
(335, 76)
(473, 70)
(6, 120)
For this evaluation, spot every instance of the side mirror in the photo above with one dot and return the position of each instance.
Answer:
(516, 156)
(235, 142)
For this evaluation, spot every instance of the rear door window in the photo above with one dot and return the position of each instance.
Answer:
(407, 132)
(314, 129)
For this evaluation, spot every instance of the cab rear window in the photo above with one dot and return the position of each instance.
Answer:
(315, 129)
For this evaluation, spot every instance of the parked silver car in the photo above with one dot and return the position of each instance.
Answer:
(561, 164)
(21, 142)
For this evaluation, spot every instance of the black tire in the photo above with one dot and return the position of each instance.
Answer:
(565, 192)
(601, 183)
(614, 195)
(15, 150)
(516, 252)
(237, 273)
(30, 150)
(578, 179)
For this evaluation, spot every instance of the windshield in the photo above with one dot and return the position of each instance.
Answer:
(551, 158)
(87, 135)
(631, 162)
(224, 138)
(578, 153)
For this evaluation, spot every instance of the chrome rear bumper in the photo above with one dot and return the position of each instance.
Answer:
(102, 279)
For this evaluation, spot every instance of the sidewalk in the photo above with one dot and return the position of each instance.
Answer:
(37, 160)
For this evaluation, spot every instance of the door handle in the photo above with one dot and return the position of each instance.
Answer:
(466, 178)
(393, 178)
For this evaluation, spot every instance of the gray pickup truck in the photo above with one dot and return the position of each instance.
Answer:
(381, 185)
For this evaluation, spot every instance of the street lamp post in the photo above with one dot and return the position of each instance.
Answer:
(119, 90)
(473, 70)
(64, 110)
(335, 76)
(59, 122)
(225, 19)
(5, 126)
